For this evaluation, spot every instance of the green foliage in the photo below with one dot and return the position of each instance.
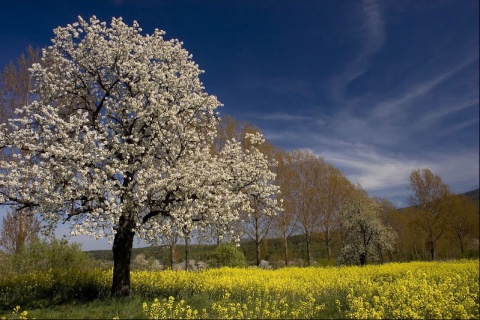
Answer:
(40, 289)
(227, 255)
(46, 255)
(49, 272)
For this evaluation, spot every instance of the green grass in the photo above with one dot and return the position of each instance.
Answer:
(127, 308)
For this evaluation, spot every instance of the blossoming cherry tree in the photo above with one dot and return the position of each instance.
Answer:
(118, 139)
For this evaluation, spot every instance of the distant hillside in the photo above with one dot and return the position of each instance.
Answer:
(474, 195)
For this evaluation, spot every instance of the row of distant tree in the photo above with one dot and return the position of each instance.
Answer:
(319, 203)
(416, 233)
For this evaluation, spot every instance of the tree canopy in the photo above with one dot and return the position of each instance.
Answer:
(118, 140)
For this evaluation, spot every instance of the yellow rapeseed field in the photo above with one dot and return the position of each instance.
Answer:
(432, 290)
(410, 290)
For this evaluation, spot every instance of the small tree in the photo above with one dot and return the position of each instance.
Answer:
(308, 176)
(367, 236)
(285, 222)
(46, 254)
(256, 224)
(16, 83)
(464, 220)
(119, 138)
(430, 196)
(227, 255)
(333, 197)
(18, 230)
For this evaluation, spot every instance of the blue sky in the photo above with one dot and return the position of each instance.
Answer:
(378, 88)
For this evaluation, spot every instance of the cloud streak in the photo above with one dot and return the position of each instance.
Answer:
(372, 33)
(390, 107)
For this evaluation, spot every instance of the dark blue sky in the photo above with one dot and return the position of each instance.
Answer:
(378, 88)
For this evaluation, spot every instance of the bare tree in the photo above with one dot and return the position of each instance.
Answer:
(285, 222)
(429, 196)
(307, 178)
(16, 83)
(18, 230)
(257, 227)
(464, 223)
(333, 196)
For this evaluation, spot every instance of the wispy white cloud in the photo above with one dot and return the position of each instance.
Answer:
(278, 116)
(452, 129)
(382, 171)
(371, 32)
(374, 27)
(448, 109)
(391, 106)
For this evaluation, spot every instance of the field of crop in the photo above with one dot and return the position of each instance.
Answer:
(407, 290)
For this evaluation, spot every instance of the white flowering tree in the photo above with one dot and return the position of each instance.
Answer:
(367, 237)
(119, 140)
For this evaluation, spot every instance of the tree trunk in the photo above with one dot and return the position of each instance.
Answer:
(172, 255)
(363, 258)
(187, 251)
(460, 241)
(258, 251)
(21, 234)
(122, 252)
(327, 244)
(432, 250)
(285, 250)
(309, 254)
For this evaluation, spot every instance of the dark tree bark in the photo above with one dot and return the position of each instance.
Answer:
(432, 250)
(172, 254)
(285, 250)
(187, 250)
(308, 239)
(363, 258)
(122, 252)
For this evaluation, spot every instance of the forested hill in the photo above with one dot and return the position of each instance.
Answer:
(474, 195)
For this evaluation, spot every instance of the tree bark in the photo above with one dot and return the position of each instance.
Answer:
(327, 244)
(172, 255)
(308, 238)
(258, 252)
(187, 251)
(285, 250)
(363, 258)
(432, 250)
(122, 252)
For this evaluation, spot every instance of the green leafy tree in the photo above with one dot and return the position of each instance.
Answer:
(46, 254)
(227, 255)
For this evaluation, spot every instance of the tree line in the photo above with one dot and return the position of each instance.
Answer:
(113, 132)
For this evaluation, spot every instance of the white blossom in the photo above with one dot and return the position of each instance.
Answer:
(122, 129)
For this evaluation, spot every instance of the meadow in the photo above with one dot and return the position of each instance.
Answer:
(433, 290)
